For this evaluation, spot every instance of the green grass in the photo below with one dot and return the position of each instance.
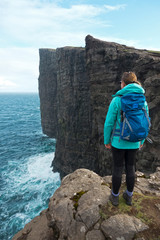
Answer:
(135, 210)
(152, 51)
(76, 198)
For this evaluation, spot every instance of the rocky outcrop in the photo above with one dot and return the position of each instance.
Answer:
(75, 88)
(80, 210)
(37, 229)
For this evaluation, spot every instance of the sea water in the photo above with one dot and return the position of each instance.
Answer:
(26, 177)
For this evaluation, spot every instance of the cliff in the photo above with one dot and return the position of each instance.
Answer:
(75, 88)
(80, 210)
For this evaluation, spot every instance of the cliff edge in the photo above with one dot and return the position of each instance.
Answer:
(80, 210)
(75, 88)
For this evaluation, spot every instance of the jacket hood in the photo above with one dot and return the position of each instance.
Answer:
(130, 88)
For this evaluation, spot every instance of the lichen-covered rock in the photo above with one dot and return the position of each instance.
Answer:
(122, 226)
(75, 88)
(80, 210)
(149, 185)
(37, 229)
(75, 205)
(95, 235)
(75, 210)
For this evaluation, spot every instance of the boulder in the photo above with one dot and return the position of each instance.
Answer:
(74, 207)
(150, 184)
(37, 229)
(80, 210)
(122, 226)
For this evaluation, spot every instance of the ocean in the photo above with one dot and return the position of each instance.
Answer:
(26, 178)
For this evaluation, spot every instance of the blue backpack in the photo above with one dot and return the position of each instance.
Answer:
(135, 122)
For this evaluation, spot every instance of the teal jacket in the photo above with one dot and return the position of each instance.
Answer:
(114, 117)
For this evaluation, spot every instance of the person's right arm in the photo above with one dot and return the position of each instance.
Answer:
(110, 121)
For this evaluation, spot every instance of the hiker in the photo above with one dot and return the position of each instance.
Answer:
(123, 151)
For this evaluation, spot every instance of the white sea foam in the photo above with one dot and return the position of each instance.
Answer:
(30, 184)
(31, 170)
(26, 179)
(39, 167)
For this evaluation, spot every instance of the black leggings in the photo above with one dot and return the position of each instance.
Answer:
(119, 157)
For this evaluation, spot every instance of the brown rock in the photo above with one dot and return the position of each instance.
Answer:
(95, 235)
(122, 227)
(85, 214)
(150, 185)
(37, 229)
(80, 210)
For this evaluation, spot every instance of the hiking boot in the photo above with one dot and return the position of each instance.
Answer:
(127, 198)
(114, 200)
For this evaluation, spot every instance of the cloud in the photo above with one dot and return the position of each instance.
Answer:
(36, 23)
(27, 25)
(19, 69)
(5, 84)
(113, 8)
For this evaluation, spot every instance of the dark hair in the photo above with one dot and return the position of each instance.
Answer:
(130, 77)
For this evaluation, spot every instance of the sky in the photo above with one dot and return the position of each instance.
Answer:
(27, 25)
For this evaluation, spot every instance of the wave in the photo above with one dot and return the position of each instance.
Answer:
(28, 184)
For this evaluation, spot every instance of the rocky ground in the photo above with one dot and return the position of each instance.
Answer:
(80, 210)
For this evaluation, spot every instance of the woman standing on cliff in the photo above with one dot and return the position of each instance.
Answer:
(122, 150)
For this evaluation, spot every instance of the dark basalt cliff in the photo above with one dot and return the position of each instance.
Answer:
(75, 88)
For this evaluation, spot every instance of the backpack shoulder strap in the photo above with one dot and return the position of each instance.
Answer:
(114, 128)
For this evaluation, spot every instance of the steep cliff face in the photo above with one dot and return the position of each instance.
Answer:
(75, 88)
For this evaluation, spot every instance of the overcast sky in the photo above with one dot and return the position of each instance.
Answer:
(27, 25)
